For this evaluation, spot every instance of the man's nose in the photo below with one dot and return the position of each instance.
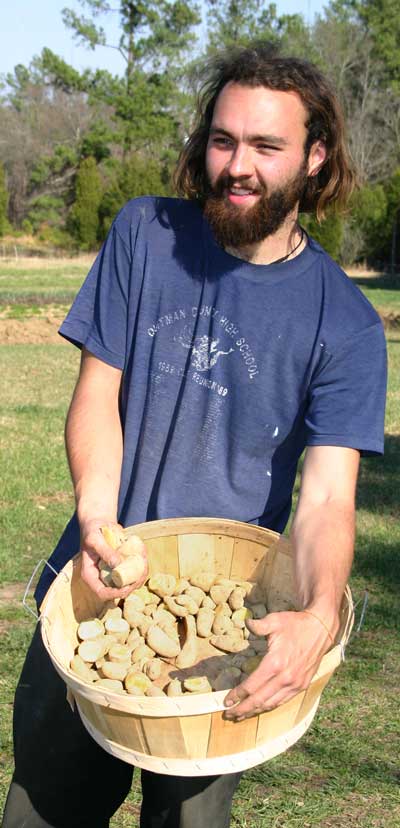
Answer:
(239, 164)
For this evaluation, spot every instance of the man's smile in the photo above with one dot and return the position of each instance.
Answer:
(241, 195)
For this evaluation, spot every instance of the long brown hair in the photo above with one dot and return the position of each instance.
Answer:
(261, 65)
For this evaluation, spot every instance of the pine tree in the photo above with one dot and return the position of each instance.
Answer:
(3, 201)
(85, 212)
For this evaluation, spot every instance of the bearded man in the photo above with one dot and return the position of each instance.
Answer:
(218, 343)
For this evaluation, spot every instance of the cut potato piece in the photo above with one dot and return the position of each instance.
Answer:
(174, 688)
(163, 616)
(188, 654)
(114, 669)
(135, 601)
(196, 593)
(110, 684)
(90, 629)
(251, 664)
(147, 597)
(221, 592)
(119, 628)
(236, 598)
(129, 570)
(111, 612)
(204, 622)
(177, 609)
(162, 584)
(120, 653)
(155, 691)
(141, 652)
(137, 683)
(93, 649)
(152, 668)
(79, 666)
(227, 679)
(229, 643)
(222, 623)
(113, 535)
(162, 643)
(106, 578)
(197, 684)
(180, 586)
(134, 639)
(202, 580)
(240, 616)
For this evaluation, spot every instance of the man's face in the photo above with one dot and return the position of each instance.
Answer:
(255, 162)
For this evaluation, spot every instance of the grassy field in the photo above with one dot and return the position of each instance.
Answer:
(39, 281)
(344, 771)
(382, 291)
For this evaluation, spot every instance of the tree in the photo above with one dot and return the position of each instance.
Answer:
(3, 201)
(365, 232)
(382, 21)
(140, 175)
(328, 233)
(154, 38)
(233, 23)
(346, 55)
(393, 219)
(85, 212)
(41, 130)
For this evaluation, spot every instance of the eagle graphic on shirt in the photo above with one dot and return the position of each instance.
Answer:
(204, 349)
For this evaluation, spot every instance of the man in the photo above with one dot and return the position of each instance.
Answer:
(218, 341)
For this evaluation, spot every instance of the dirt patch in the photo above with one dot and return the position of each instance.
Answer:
(390, 320)
(33, 331)
(364, 273)
(43, 330)
(12, 593)
(57, 497)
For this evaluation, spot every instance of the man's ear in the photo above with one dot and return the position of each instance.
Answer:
(317, 157)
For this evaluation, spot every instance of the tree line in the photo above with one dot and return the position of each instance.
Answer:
(75, 146)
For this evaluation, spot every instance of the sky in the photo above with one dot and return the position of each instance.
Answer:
(27, 26)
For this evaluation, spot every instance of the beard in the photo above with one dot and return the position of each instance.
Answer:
(236, 227)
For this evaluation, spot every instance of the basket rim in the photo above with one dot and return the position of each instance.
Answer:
(212, 525)
(197, 704)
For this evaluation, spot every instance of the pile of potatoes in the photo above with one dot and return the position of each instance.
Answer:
(126, 649)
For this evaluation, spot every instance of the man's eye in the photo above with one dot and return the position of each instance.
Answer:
(221, 141)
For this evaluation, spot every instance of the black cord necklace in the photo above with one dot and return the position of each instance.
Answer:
(283, 258)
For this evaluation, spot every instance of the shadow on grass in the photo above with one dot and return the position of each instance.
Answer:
(356, 764)
(37, 299)
(384, 282)
(377, 559)
(378, 488)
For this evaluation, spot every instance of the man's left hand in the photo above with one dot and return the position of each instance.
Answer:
(296, 643)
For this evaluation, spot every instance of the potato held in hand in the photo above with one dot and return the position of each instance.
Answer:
(132, 565)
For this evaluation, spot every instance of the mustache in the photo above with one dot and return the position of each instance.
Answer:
(226, 182)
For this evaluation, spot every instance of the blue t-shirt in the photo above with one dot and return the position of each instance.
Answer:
(229, 368)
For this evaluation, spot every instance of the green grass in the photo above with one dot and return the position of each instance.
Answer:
(344, 772)
(43, 283)
(382, 291)
(36, 498)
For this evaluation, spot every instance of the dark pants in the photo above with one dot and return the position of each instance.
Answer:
(63, 779)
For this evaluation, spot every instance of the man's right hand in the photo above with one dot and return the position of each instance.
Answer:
(94, 548)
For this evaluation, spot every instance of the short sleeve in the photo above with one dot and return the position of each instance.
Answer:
(97, 319)
(346, 404)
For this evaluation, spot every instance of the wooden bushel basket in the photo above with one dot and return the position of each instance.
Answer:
(189, 735)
